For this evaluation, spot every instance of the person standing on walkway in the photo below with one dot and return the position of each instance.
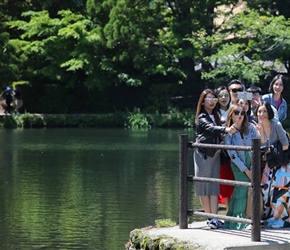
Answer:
(207, 160)
(240, 162)
(226, 172)
(276, 88)
(8, 100)
(18, 102)
(276, 196)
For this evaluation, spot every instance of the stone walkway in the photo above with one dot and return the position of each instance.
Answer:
(202, 237)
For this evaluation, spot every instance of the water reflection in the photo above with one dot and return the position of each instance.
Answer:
(85, 188)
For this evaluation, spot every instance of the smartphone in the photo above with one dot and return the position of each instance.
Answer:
(245, 95)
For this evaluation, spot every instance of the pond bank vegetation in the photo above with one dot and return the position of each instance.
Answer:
(135, 120)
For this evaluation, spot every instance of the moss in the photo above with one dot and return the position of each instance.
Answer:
(165, 223)
(135, 237)
(167, 243)
(154, 242)
(145, 243)
(139, 240)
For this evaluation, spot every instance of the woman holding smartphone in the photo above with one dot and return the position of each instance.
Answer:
(207, 160)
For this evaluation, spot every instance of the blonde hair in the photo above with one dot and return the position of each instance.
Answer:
(244, 128)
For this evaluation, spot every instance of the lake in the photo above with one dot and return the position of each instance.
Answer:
(86, 188)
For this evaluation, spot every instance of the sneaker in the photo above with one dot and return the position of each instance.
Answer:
(275, 226)
(263, 224)
(215, 224)
(220, 223)
(208, 221)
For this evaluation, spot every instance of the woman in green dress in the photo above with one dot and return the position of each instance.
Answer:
(240, 162)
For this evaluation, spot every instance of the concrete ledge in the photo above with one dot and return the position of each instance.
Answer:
(199, 236)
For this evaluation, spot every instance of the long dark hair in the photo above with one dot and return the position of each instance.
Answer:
(283, 79)
(268, 108)
(218, 90)
(200, 106)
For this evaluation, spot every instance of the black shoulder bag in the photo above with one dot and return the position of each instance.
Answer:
(274, 154)
(278, 154)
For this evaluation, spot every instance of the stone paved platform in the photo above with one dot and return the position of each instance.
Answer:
(220, 239)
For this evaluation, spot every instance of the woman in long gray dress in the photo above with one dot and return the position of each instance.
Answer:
(207, 160)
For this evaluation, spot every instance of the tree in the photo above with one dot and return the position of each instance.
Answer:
(9, 65)
(13, 59)
(274, 7)
(64, 49)
(146, 44)
(250, 46)
(153, 38)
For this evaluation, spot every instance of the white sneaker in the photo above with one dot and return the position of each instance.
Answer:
(215, 224)
(275, 226)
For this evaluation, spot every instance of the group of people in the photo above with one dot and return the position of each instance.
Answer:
(12, 101)
(224, 118)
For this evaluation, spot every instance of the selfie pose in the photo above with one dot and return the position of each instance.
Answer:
(207, 160)
(240, 162)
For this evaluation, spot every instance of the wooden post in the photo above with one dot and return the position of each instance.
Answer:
(183, 191)
(256, 184)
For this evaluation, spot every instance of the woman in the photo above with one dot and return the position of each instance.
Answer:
(246, 104)
(240, 162)
(226, 172)
(207, 160)
(223, 102)
(276, 88)
(276, 196)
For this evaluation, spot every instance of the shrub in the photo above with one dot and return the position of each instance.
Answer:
(31, 121)
(8, 122)
(136, 119)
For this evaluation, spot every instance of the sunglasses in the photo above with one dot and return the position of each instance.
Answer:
(239, 112)
(211, 99)
(237, 90)
(223, 95)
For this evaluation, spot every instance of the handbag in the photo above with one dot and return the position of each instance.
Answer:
(286, 153)
(274, 155)
(278, 157)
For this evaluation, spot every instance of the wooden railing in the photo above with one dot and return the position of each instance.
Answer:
(255, 184)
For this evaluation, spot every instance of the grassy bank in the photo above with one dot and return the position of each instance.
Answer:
(135, 119)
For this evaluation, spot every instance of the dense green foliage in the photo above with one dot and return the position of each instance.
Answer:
(114, 55)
